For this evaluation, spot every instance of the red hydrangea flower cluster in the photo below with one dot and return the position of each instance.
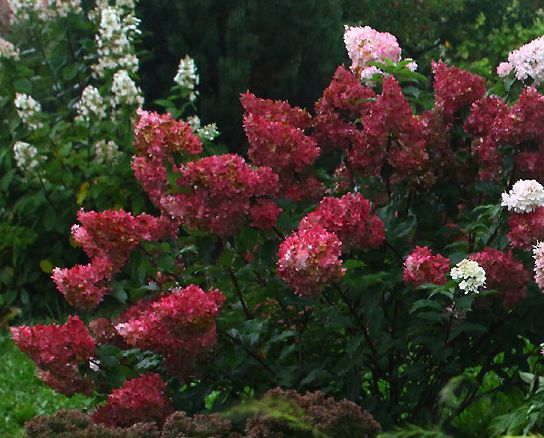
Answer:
(526, 229)
(161, 136)
(505, 274)
(264, 214)
(151, 174)
(139, 400)
(344, 101)
(310, 258)
(114, 234)
(180, 323)
(421, 266)
(350, 218)
(275, 132)
(84, 286)
(309, 189)
(495, 124)
(391, 134)
(108, 238)
(58, 351)
(221, 189)
(455, 89)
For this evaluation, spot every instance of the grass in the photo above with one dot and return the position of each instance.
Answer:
(22, 395)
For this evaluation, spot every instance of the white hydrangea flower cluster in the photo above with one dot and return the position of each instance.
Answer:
(22, 10)
(114, 42)
(527, 62)
(125, 91)
(43, 9)
(106, 152)
(25, 156)
(64, 7)
(28, 110)
(538, 255)
(8, 50)
(187, 76)
(90, 106)
(525, 196)
(469, 274)
(207, 132)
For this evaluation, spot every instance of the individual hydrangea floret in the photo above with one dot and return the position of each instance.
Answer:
(91, 105)
(505, 274)
(58, 351)
(421, 266)
(139, 400)
(469, 275)
(8, 50)
(538, 255)
(525, 196)
(526, 62)
(309, 259)
(125, 91)
(187, 76)
(365, 45)
(26, 156)
(350, 218)
(28, 110)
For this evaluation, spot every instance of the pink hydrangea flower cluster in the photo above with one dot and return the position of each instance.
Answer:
(108, 238)
(139, 400)
(161, 136)
(58, 352)
(365, 45)
(421, 266)
(538, 254)
(180, 323)
(275, 132)
(350, 218)
(505, 274)
(309, 259)
(527, 62)
(221, 190)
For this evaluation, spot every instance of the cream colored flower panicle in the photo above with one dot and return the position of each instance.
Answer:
(115, 42)
(469, 275)
(106, 152)
(91, 105)
(25, 156)
(187, 76)
(28, 110)
(525, 196)
(125, 91)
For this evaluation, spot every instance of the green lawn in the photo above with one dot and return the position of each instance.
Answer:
(22, 395)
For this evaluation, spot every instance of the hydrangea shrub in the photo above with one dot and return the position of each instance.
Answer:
(362, 249)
